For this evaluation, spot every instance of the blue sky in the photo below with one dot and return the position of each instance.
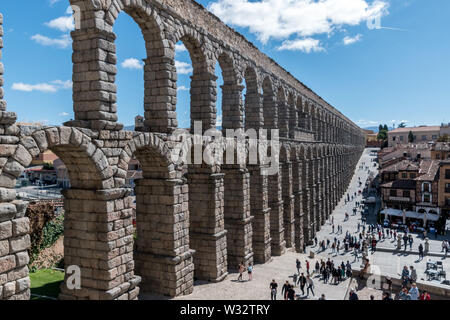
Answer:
(399, 72)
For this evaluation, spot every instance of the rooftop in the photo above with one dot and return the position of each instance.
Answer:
(416, 129)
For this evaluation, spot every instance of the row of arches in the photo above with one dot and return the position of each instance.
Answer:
(187, 225)
(269, 102)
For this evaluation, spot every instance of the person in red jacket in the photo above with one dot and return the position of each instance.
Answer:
(425, 295)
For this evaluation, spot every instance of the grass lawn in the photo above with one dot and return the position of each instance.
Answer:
(46, 282)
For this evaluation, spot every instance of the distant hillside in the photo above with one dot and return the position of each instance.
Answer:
(374, 129)
(128, 128)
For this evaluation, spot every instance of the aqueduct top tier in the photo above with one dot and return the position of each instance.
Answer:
(275, 99)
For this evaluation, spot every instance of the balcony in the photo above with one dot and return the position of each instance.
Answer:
(400, 199)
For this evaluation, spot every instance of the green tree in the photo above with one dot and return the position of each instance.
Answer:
(444, 138)
(410, 137)
(402, 125)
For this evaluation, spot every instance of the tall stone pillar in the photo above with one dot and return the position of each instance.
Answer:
(288, 204)
(238, 221)
(160, 99)
(298, 205)
(94, 71)
(208, 236)
(259, 206)
(307, 201)
(283, 123)
(278, 242)
(14, 226)
(98, 238)
(203, 99)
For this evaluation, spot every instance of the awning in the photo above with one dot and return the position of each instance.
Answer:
(410, 214)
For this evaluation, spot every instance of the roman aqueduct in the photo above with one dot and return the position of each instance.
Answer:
(192, 220)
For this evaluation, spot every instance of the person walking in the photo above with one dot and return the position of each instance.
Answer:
(284, 290)
(411, 240)
(250, 272)
(310, 283)
(302, 283)
(420, 251)
(412, 275)
(298, 265)
(241, 271)
(273, 290)
(307, 267)
(291, 293)
(322, 297)
(317, 266)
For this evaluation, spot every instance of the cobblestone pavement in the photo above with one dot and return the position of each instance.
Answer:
(282, 268)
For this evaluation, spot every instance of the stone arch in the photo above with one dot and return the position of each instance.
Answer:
(199, 107)
(97, 108)
(232, 105)
(254, 118)
(164, 259)
(87, 165)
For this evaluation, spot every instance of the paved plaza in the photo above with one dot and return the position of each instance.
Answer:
(283, 267)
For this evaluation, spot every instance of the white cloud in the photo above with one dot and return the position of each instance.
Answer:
(51, 87)
(62, 42)
(183, 67)
(280, 19)
(349, 40)
(180, 47)
(63, 114)
(132, 63)
(306, 45)
(52, 2)
(63, 24)
(183, 88)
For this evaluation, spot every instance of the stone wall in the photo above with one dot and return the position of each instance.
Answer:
(192, 221)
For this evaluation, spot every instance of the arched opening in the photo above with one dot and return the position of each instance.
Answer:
(84, 230)
(253, 110)
(130, 54)
(191, 68)
(229, 105)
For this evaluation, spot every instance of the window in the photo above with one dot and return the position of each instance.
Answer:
(447, 188)
(447, 173)
(401, 138)
(447, 202)
(426, 198)
(393, 193)
(404, 175)
(413, 176)
(393, 176)
(426, 187)
(424, 138)
(434, 137)
(393, 138)
(438, 156)
(406, 193)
